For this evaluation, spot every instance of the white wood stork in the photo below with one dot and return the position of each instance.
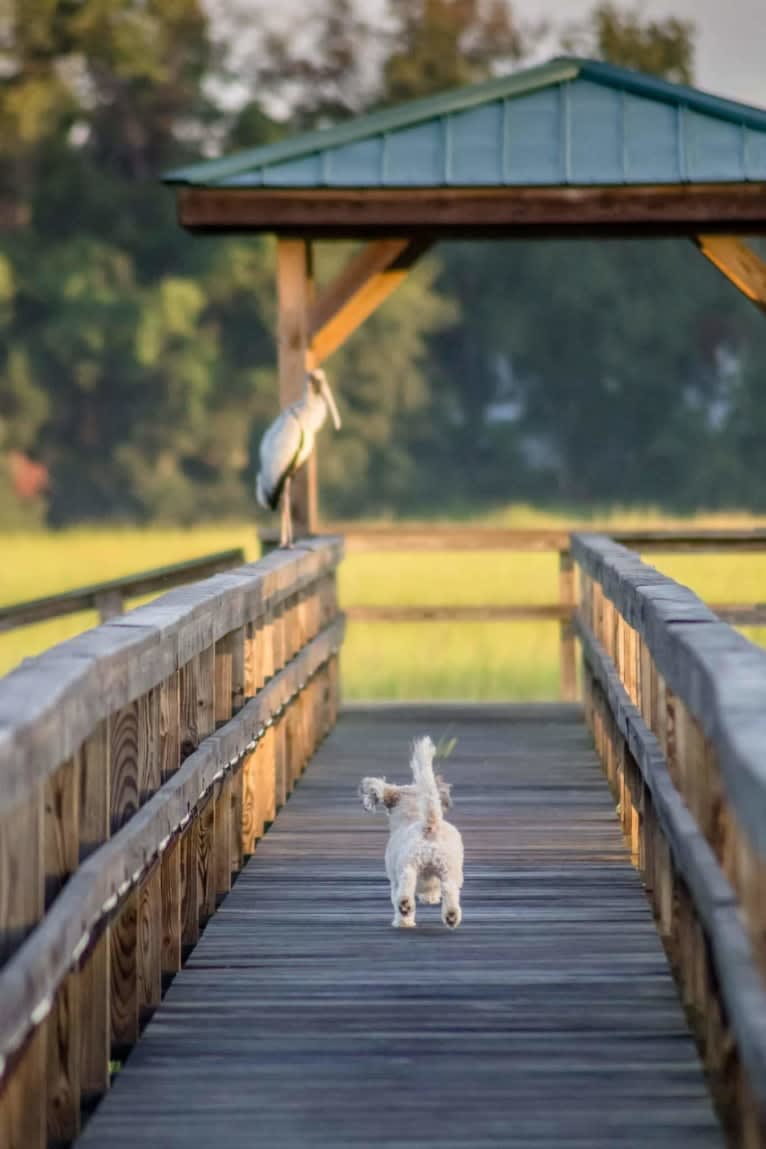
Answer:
(287, 444)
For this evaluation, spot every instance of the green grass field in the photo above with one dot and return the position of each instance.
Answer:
(513, 661)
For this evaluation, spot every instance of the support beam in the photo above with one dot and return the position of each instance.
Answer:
(738, 262)
(364, 283)
(294, 290)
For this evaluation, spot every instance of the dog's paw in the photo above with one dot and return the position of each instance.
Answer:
(452, 918)
(401, 923)
(406, 906)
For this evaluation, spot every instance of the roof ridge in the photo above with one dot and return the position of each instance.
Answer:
(508, 86)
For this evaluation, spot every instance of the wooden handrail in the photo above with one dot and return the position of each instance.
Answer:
(139, 763)
(675, 699)
(108, 597)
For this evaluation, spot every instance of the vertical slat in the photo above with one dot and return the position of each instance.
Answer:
(123, 936)
(95, 1023)
(94, 790)
(171, 891)
(23, 1098)
(238, 638)
(280, 764)
(22, 872)
(62, 827)
(170, 725)
(567, 641)
(149, 748)
(222, 863)
(223, 678)
(149, 944)
(206, 859)
(124, 761)
(63, 1063)
(197, 700)
(252, 804)
(190, 884)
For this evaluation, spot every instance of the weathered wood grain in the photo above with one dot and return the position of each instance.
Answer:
(94, 761)
(123, 974)
(150, 943)
(95, 1019)
(22, 873)
(171, 887)
(63, 1063)
(61, 828)
(303, 1004)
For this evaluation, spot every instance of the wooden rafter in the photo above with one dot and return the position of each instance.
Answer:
(364, 283)
(738, 262)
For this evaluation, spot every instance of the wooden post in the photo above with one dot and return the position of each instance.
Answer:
(293, 297)
(567, 643)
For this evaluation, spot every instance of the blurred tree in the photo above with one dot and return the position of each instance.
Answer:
(440, 44)
(660, 47)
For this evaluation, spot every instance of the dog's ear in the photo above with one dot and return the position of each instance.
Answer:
(445, 792)
(376, 792)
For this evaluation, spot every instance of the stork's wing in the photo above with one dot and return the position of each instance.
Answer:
(280, 448)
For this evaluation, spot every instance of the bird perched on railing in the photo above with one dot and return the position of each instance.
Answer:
(288, 443)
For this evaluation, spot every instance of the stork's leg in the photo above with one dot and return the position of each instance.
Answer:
(287, 541)
(283, 518)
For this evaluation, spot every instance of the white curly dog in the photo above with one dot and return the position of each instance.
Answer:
(424, 854)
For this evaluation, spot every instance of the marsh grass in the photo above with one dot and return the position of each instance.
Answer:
(511, 661)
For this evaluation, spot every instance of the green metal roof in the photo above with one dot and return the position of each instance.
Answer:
(570, 121)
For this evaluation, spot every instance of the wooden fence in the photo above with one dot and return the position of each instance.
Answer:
(676, 700)
(435, 539)
(108, 598)
(139, 764)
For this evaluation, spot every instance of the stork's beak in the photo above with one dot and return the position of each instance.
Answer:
(328, 398)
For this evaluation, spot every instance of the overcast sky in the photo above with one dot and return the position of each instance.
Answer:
(730, 41)
(731, 37)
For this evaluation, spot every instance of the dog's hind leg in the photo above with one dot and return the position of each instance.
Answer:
(451, 913)
(430, 891)
(403, 897)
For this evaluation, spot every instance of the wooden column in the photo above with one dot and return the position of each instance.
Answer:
(567, 641)
(293, 298)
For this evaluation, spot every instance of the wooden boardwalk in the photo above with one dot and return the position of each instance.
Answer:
(550, 1018)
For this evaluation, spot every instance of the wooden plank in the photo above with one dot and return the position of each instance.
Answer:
(171, 888)
(505, 612)
(190, 884)
(123, 975)
(206, 860)
(23, 1125)
(95, 1019)
(529, 1012)
(61, 828)
(687, 209)
(124, 765)
(63, 1064)
(150, 944)
(149, 744)
(224, 666)
(170, 725)
(94, 789)
(22, 874)
(293, 293)
(222, 860)
(362, 286)
(738, 262)
(197, 700)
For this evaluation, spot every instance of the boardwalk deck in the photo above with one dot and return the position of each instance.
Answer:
(549, 1019)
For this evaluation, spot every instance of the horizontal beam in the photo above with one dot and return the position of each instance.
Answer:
(688, 209)
(738, 262)
(504, 612)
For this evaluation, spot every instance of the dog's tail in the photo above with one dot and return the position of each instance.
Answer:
(423, 751)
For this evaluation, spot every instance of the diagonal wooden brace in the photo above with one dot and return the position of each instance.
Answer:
(738, 262)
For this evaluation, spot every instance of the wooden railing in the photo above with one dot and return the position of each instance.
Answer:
(139, 764)
(434, 538)
(676, 700)
(108, 598)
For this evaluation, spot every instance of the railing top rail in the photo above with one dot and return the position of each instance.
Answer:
(134, 585)
(52, 702)
(719, 674)
(367, 537)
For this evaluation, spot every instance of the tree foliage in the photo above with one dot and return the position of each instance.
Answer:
(137, 364)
